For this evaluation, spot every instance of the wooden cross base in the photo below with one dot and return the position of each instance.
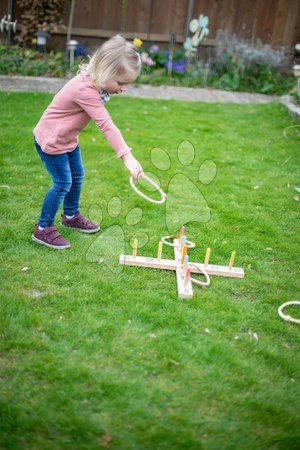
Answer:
(184, 286)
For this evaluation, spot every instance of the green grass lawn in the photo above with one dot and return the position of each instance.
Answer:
(92, 357)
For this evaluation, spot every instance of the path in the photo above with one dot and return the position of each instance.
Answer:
(52, 85)
(43, 84)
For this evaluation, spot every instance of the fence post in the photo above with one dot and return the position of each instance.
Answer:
(189, 14)
(70, 24)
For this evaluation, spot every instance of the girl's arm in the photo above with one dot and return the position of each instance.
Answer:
(99, 114)
(92, 105)
(133, 166)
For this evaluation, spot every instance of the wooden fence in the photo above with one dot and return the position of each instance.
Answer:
(276, 22)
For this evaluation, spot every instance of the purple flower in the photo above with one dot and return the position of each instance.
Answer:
(145, 58)
(177, 66)
(80, 50)
(154, 48)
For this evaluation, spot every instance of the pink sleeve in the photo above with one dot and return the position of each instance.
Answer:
(89, 100)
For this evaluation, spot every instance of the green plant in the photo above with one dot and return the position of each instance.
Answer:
(243, 66)
(26, 61)
(235, 66)
(234, 74)
(246, 54)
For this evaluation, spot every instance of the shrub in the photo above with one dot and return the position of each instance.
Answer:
(244, 54)
(241, 65)
(154, 58)
(26, 61)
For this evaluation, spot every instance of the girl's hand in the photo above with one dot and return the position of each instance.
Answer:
(133, 166)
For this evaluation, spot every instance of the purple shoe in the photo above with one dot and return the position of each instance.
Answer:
(80, 223)
(50, 237)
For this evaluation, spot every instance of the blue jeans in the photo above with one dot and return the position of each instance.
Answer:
(67, 173)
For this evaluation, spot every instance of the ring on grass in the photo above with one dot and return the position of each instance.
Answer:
(165, 241)
(202, 271)
(149, 199)
(284, 316)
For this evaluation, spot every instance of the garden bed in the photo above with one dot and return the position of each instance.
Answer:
(231, 75)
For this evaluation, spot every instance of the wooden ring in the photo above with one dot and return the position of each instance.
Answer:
(202, 271)
(149, 199)
(285, 317)
(164, 240)
(189, 244)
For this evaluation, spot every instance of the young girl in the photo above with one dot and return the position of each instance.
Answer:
(114, 65)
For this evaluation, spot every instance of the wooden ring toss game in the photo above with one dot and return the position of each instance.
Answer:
(181, 264)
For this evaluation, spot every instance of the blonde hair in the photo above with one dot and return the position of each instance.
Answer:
(112, 59)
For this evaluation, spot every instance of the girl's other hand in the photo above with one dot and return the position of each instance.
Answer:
(133, 166)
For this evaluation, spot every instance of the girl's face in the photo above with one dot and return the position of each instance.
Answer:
(119, 84)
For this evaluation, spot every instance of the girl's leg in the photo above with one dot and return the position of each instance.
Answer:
(72, 217)
(58, 168)
(71, 200)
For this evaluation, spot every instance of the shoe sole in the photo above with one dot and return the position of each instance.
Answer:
(57, 247)
(81, 230)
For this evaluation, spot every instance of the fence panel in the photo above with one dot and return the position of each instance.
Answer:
(136, 16)
(272, 21)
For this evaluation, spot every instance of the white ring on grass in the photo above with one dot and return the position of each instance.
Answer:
(202, 271)
(284, 316)
(189, 244)
(149, 199)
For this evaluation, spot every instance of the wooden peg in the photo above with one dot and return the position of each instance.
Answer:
(135, 246)
(183, 253)
(207, 256)
(181, 232)
(159, 251)
(185, 264)
(231, 262)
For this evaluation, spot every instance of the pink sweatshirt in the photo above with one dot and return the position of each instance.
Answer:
(68, 114)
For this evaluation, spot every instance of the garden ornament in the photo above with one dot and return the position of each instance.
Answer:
(200, 29)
